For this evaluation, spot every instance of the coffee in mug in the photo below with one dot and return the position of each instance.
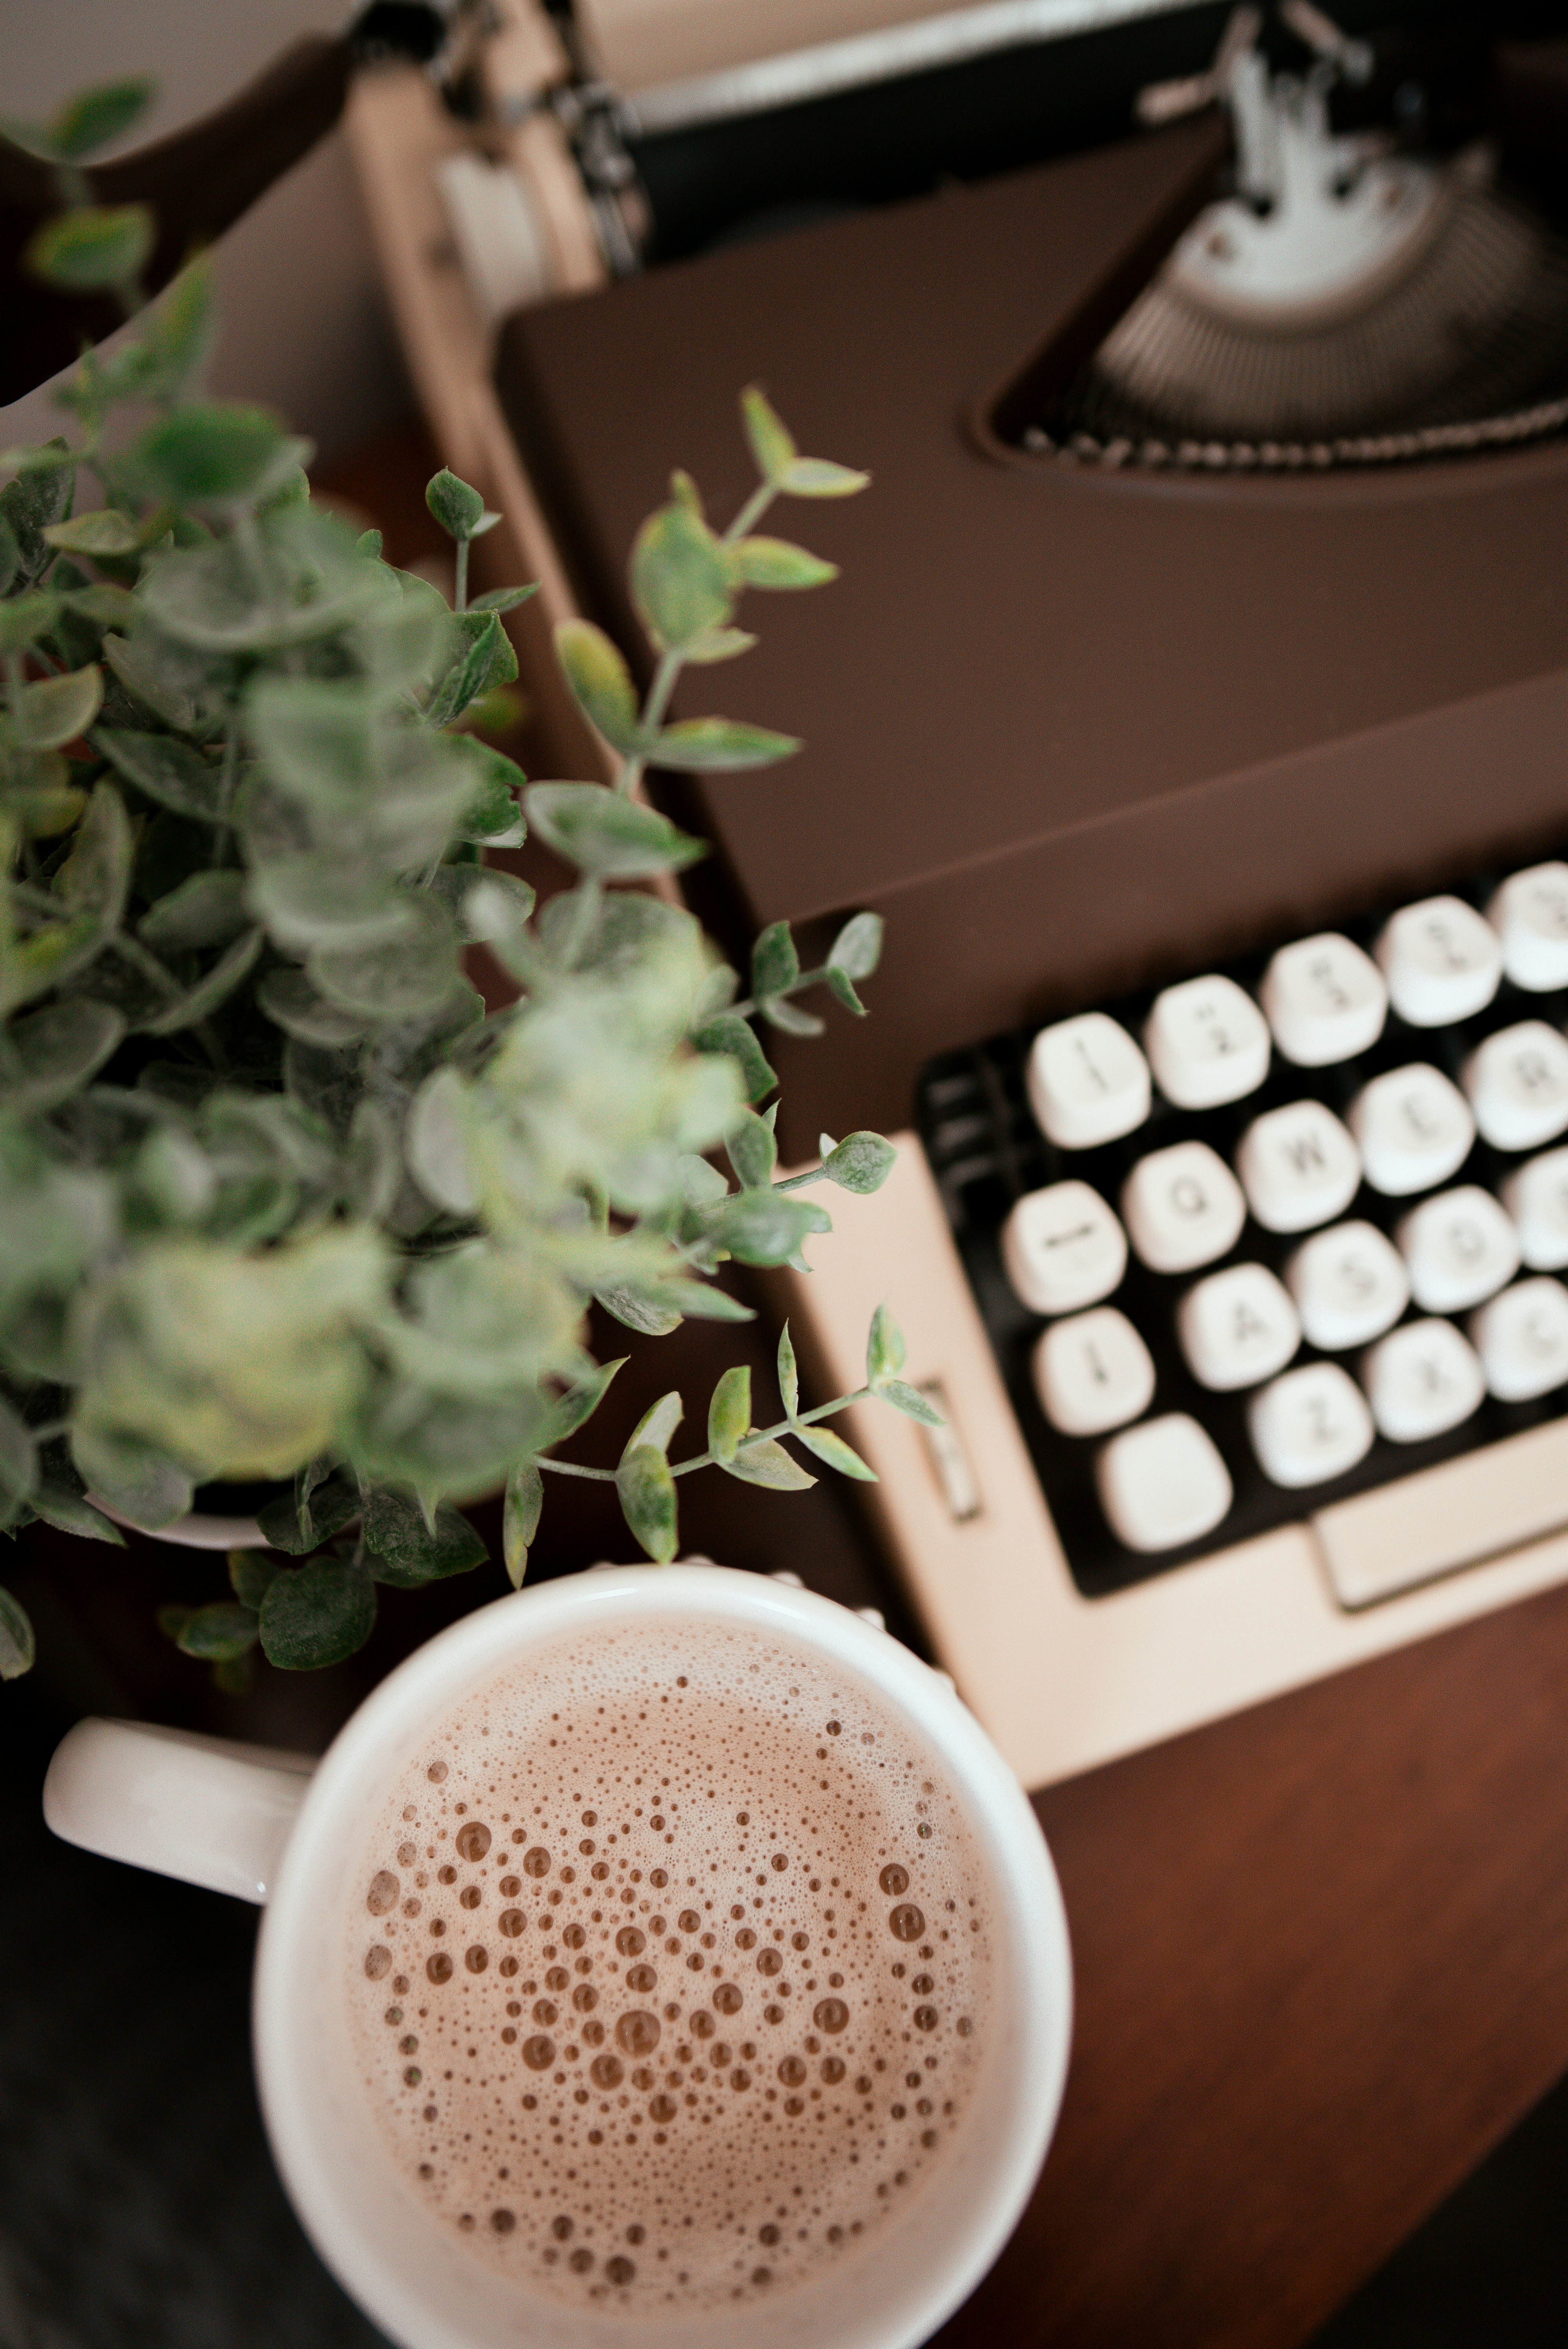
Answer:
(666, 1962)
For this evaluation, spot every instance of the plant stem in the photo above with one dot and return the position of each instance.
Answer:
(461, 577)
(752, 1004)
(751, 512)
(708, 1459)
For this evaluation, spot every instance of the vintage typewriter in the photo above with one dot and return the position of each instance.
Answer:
(1194, 705)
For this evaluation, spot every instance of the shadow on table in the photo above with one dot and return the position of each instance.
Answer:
(1489, 2266)
(138, 2205)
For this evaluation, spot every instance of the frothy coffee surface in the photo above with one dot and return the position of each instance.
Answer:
(669, 1977)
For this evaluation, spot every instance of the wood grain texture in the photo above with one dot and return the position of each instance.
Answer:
(1322, 1956)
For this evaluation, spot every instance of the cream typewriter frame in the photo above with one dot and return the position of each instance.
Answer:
(1061, 1683)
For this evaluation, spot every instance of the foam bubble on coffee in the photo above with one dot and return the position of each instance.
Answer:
(668, 1967)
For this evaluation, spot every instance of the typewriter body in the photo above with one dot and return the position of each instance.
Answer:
(1193, 704)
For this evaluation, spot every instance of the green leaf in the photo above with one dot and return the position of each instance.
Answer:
(93, 117)
(493, 817)
(103, 532)
(647, 1495)
(486, 661)
(139, 1483)
(861, 1163)
(455, 506)
(764, 1227)
(520, 1518)
(645, 1310)
(25, 618)
(306, 903)
(716, 994)
(369, 542)
(836, 1453)
(683, 578)
(656, 1425)
(753, 1151)
(788, 1379)
(104, 605)
(251, 1574)
(842, 987)
(730, 1033)
(18, 1648)
(788, 1017)
(39, 496)
(55, 1054)
(818, 477)
(767, 1462)
(774, 965)
(69, 1512)
(212, 989)
(19, 1456)
(910, 1400)
(96, 246)
(719, 746)
(10, 555)
(207, 910)
(774, 562)
(173, 773)
(685, 492)
(434, 1141)
(601, 832)
(408, 1551)
(55, 710)
(503, 599)
(407, 978)
(884, 1347)
(207, 452)
(297, 1528)
(716, 645)
(288, 998)
(772, 446)
(729, 1412)
(857, 949)
(317, 1615)
(601, 681)
(147, 679)
(218, 1633)
(571, 1410)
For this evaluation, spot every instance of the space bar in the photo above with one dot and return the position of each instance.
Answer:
(1458, 1515)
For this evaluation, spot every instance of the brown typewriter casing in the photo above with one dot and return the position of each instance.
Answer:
(1067, 728)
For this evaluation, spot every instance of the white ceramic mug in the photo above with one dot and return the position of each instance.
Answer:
(279, 1829)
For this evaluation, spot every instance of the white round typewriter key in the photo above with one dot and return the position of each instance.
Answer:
(1521, 1338)
(1530, 914)
(1413, 1129)
(1063, 1247)
(1350, 1286)
(1207, 1042)
(1183, 1207)
(1517, 1086)
(1298, 1167)
(1087, 1081)
(1325, 1001)
(1536, 1196)
(1442, 961)
(1093, 1372)
(1162, 1483)
(1458, 1247)
(1312, 1424)
(1421, 1379)
(1237, 1327)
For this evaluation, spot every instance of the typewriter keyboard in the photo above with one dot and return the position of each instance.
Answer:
(1278, 1233)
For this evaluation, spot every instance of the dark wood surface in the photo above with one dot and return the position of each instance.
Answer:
(1322, 1964)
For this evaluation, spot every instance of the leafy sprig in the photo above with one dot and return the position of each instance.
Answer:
(277, 1196)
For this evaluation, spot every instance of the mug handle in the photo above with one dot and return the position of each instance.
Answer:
(205, 1809)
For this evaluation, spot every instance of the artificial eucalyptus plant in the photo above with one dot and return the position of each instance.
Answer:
(277, 1197)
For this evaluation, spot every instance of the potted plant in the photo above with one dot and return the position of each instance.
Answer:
(278, 1199)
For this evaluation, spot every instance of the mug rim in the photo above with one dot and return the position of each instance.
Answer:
(481, 1642)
